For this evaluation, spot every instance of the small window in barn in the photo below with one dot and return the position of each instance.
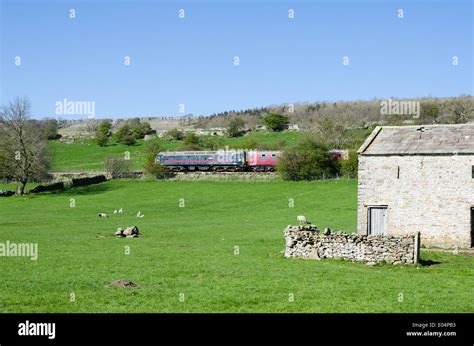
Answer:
(472, 172)
(398, 172)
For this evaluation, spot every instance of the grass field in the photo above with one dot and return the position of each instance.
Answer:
(191, 250)
(88, 156)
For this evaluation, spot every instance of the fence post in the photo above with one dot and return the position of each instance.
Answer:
(416, 255)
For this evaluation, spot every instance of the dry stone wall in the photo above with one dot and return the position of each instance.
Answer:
(49, 187)
(89, 180)
(6, 193)
(308, 242)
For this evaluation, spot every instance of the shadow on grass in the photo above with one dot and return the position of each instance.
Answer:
(427, 263)
(82, 190)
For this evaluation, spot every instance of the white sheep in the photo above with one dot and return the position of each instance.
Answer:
(103, 215)
(301, 219)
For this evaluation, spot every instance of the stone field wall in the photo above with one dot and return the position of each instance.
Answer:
(89, 180)
(308, 242)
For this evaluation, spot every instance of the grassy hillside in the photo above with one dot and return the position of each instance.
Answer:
(88, 156)
(191, 250)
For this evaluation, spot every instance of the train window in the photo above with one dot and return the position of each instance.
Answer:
(274, 157)
(263, 156)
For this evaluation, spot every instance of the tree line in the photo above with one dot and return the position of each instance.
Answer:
(363, 113)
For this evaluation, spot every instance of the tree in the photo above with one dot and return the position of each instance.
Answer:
(461, 109)
(103, 133)
(117, 167)
(134, 122)
(125, 136)
(140, 130)
(146, 128)
(49, 127)
(175, 134)
(191, 138)
(276, 122)
(91, 125)
(151, 166)
(331, 133)
(235, 127)
(151, 150)
(308, 160)
(350, 166)
(101, 139)
(429, 113)
(24, 153)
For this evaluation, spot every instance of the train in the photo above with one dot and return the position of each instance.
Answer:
(220, 161)
(228, 160)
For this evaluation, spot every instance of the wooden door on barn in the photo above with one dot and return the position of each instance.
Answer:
(378, 220)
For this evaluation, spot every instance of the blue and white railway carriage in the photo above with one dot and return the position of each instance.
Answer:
(203, 160)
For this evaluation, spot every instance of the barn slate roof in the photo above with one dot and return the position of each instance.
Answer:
(420, 140)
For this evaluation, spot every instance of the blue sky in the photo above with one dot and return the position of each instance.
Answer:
(190, 61)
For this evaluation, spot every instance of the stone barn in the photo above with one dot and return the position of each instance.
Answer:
(418, 179)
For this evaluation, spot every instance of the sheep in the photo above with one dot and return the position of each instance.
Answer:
(103, 215)
(120, 211)
(301, 219)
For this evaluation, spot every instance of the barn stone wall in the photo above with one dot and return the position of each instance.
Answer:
(307, 242)
(432, 195)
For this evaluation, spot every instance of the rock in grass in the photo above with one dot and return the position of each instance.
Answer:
(122, 283)
(130, 231)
